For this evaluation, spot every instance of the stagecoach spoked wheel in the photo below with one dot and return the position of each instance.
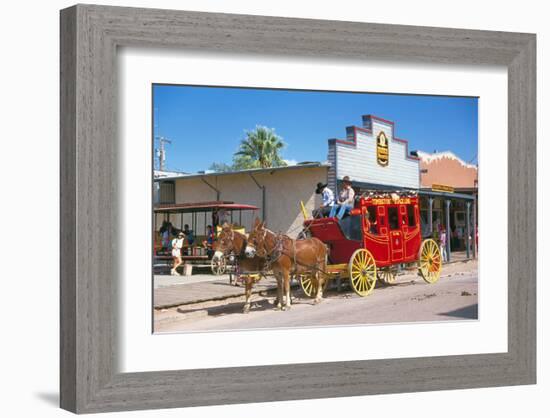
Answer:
(308, 285)
(429, 261)
(362, 272)
(387, 275)
(218, 265)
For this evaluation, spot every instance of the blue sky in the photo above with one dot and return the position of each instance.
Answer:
(206, 124)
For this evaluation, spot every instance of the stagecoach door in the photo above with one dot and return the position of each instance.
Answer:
(396, 214)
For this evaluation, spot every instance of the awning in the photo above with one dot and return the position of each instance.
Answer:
(431, 193)
(201, 207)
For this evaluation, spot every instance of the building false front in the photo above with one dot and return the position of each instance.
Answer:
(445, 168)
(373, 157)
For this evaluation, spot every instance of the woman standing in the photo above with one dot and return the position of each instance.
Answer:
(443, 243)
(177, 245)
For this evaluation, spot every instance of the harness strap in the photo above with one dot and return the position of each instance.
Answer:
(278, 251)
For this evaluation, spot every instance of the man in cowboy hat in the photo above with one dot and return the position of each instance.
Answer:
(346, 199)
(327, 200)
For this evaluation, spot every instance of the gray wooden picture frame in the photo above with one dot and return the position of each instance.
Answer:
(90, 36)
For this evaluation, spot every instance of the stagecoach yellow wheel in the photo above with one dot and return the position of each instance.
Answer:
(218, 264)
(386, 275)
(308, 285)
(429, 261)
(362, 272)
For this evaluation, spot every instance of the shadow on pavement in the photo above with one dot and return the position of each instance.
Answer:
(237, 307)
(468, 312)
(230, 308)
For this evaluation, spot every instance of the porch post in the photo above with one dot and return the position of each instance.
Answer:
(263, 204)
(430, 216)
(448, 227)
(468, 231)
(262, 188)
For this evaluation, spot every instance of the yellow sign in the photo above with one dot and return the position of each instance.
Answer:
(442, 188)
(382, 149)
(389, 201)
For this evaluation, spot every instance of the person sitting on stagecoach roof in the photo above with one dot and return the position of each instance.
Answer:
(327, 202)
(346, 199)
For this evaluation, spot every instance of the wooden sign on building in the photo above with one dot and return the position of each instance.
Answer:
(442, 188)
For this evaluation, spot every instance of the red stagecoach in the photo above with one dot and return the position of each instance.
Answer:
(381, 231)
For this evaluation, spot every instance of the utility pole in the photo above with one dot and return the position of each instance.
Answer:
(161, 152)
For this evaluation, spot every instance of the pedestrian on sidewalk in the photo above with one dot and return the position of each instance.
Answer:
(443, 242)
(177, 245)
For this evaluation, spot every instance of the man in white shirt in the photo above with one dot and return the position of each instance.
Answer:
(177, 245)
(346, 200)
(327, 202)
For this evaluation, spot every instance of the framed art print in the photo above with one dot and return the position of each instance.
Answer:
(291, 209)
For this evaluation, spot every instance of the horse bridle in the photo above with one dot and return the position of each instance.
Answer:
(272, 255)
(231, 239)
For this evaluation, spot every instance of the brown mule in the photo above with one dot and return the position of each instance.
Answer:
(230, 241)
(286, 257)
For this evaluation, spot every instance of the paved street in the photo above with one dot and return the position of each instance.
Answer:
(410, 299)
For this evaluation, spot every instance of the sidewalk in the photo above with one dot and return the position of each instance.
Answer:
(165, 280)
(172, 291)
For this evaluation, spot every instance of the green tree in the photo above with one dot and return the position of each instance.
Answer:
(259, 149)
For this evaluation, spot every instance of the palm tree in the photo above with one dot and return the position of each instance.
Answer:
(220, 167)
(260, 149)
